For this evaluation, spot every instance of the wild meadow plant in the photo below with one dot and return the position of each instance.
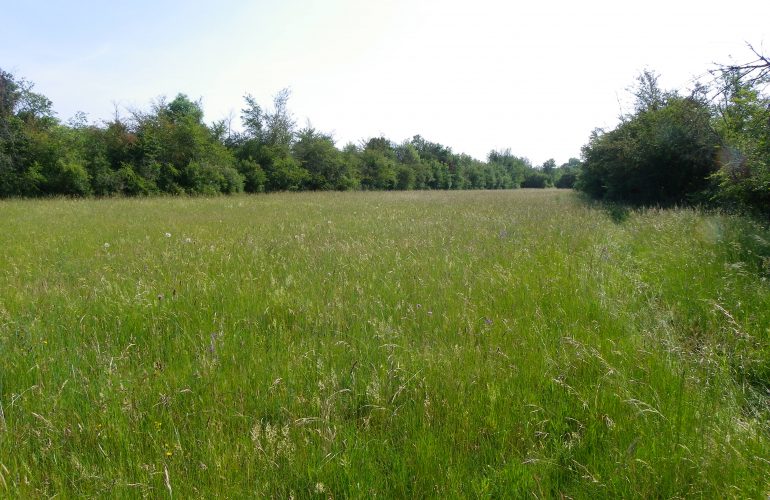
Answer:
(414, 344)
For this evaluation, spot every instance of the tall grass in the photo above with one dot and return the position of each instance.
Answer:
(467, 344)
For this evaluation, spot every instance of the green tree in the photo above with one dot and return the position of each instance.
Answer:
(26, 148)
(254, 178)
(535, 179)
(567, 174)
(743, 124)
(253, 119)
(279, 123)
(317, 154)
(176, 151)
(662, 154)
(268, 140)
(549, 169)
(515, 167)
(378, 165)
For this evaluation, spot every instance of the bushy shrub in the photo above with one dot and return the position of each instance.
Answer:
(209, 179)
(254, 177)
(536, 180)
(132, 184)
(404, 178)
(743, 157)
(663, 154)
(566, 180)
(286, 174)
(66, 176)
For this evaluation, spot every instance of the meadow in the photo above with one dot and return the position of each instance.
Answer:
(488, 344)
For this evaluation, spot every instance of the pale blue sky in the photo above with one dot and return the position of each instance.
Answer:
(474, 75)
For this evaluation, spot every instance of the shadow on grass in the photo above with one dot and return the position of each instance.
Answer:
(747, 242)
(618, 212)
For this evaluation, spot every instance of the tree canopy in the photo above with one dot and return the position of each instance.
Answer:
(709, 146)
(169, 148)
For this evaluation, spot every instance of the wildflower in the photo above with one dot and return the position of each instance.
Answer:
(106, 246)
(320, 488)
(488, 321)
(168, 235)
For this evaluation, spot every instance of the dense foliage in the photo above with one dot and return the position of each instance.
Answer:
(170, 149)
(711, 146)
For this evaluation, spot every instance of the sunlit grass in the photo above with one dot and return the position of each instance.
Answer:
(482, 344)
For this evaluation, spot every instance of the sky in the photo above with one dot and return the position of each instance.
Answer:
(536, 77)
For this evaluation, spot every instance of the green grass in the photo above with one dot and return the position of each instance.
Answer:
(466, 344)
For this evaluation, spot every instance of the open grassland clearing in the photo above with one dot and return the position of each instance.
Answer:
(482, 344)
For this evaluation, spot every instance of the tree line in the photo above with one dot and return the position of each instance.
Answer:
(709, 146)
(168, 148)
